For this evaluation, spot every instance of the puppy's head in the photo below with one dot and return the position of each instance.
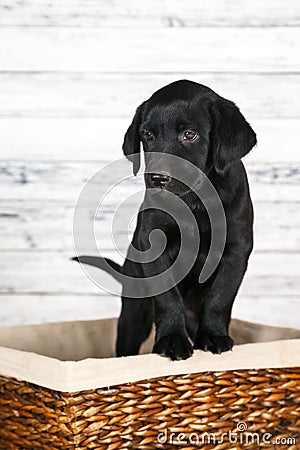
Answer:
(191, 121)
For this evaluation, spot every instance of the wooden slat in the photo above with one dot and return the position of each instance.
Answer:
(274, 311)
(58, 184)
(44, 222)
(269, 274)
(209, 49)
(15, 310)
(156, 13)
(45, 227)
(118, 95)
(31, 309)
(34, 309)
(102, 138)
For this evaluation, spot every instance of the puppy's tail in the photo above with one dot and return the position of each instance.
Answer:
(112, 268)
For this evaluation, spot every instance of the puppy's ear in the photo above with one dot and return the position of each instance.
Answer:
(232, 136)
(132, 140)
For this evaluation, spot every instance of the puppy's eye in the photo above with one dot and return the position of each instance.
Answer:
(148, 136)
(189, 135)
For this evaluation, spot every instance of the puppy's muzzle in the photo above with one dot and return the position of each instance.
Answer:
(159, 180)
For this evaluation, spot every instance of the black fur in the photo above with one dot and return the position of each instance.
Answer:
(190, 312)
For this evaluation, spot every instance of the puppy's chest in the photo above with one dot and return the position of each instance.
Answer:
(190, 239)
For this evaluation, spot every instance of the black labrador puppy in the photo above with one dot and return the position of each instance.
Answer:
(188, 120)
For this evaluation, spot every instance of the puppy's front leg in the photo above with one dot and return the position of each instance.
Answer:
(214, 322)
(171, 336)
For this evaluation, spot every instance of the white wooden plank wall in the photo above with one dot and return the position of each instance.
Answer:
(72, 73)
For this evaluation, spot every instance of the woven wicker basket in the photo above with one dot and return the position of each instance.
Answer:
(248, 398)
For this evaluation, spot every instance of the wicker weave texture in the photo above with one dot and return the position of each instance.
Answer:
(131, 416)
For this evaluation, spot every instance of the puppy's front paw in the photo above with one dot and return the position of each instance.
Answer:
(213, 343)
(175, 346)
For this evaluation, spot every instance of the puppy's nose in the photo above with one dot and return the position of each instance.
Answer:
(159, 180)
